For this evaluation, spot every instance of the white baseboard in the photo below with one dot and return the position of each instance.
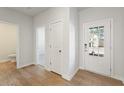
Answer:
(115, 77)
(69, 77)
(21, 66)
(48, 69)
(74, 73)
(118, 78)
(5, 60)
(81, 68)
(66, 77)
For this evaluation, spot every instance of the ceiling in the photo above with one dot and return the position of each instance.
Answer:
(31, 11)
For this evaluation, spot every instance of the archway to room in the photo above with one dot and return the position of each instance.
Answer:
(9, 48)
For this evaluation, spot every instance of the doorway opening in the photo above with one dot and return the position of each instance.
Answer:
(9, 40)
(52, 49)
(40, 46)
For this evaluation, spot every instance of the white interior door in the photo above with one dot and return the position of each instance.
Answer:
(40, 46)
(56, 45)
(97, 46)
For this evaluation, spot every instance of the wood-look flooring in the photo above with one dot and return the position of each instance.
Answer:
(36, 75)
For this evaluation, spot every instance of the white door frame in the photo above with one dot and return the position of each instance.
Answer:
(35, 38)
(53, 22)
(111, 45)
(17, 42)
(36, 46)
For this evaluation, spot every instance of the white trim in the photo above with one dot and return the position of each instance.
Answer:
(118, 78)
(83, 46)
(69, 77)
(36, 41)
(4, 60)
(17, 41)
(74, 73)
(112, 46)
(48, 69)
(82, 68)
(18, 48)
(111, 43)
(34, 44)
(25, 65)
(114, 77)
(66, 77)
(95, 72)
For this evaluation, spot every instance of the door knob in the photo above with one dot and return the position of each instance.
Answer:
(85, 47)
(60, 51)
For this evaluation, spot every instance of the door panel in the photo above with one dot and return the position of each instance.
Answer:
(56, 35)
(97, 46)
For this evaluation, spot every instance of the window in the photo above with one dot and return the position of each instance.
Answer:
(96, 41)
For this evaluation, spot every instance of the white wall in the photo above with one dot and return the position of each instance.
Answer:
(73, 42)
(117, 14)
(8, 33)
(43, 20)
(25, 34)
